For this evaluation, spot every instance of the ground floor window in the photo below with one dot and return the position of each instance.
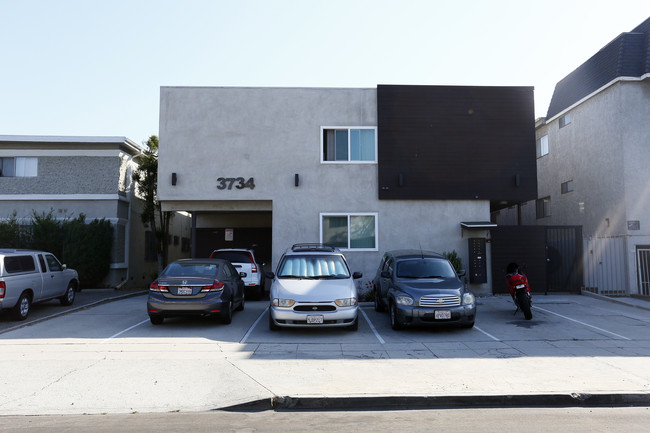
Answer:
(352, 231)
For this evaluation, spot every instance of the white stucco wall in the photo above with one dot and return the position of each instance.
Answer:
(271, 134)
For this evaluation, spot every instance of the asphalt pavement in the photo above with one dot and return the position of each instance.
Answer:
(103, 356)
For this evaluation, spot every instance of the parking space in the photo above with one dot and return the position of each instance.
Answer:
(563, 325)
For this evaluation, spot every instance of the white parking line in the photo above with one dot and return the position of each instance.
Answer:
(582, 323)
(486, 333)
(243, 340)
(381, 340)
(122, 332)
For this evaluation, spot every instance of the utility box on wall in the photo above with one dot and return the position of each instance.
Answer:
(477, 261)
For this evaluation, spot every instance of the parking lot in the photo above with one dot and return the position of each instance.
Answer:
(109, 358)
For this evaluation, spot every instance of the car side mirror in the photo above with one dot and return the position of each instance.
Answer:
(385, 274)
(357, 275)
(270, 275)
(243, 274)
(461, 273)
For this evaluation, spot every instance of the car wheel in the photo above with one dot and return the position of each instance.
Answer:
(68, 297)
(394, 318)
(272, 325)
(378, 307)
(354, 325)
(226, 318)
(243, 301)
(156, 320)
(467, 325)
(22, 307)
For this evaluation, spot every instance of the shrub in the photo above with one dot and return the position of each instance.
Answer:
(455, 260)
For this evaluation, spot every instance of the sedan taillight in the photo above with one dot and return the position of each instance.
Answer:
(216, 286)
(3, 289)
(154, 287)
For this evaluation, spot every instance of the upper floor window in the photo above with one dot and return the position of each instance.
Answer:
(350, 231)
(349, 144)
(567, 186)
(565, 120)
(19, 166)
(542, 146)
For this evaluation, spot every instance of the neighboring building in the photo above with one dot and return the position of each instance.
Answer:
(83, 175)
(593, 150)
(367, 170)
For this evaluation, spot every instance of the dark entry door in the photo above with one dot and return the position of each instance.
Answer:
(551, 255)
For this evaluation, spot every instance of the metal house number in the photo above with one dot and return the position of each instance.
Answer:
(238, 182)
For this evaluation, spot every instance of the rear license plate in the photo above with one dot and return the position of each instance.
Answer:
(184, 291)
(442, 314)
(315, 320)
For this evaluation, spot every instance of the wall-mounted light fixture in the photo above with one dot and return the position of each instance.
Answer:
(297, 180)
(174, 178)
(517, 180)
(400, 179)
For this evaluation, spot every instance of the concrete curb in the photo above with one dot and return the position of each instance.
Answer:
(615, 300)
(441, 402)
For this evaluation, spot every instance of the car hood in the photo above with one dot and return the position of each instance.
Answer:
(314, 290)
(433, 286)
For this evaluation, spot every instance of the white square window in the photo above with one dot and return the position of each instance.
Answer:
(565, 120)
(356, 231)
(349, 144)
(19, 166)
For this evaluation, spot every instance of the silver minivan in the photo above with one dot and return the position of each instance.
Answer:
(29, 276)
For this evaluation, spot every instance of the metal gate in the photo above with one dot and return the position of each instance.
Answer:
(643, 269)
(552, 256)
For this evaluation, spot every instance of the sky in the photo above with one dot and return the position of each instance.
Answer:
(95, 67)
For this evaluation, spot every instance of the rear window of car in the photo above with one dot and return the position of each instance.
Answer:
(208, 270)
(232, 256)
(313, 267)
(16, 264)
(425, 268)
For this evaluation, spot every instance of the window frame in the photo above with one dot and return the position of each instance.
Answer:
(22, 162)
(567, 187)
(348, 128)
(349, 215)
(539, 146)
(565, 120)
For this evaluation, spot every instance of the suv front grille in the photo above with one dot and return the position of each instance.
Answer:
(314, 308)
(440, 301)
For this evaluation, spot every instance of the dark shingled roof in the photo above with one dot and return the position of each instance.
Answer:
(626, 56)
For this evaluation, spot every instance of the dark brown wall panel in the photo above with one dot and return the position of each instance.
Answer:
(452, 142)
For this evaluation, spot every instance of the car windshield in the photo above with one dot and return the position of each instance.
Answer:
(425, 268)
(208, 270)
(316, 267)
(233, 256)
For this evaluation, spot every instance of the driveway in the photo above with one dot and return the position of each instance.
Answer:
(109, 358)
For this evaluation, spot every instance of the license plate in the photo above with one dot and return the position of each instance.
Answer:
(442, 314)
(315, 320)
(184, 291)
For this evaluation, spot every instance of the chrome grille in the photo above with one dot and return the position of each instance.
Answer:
(439, 301)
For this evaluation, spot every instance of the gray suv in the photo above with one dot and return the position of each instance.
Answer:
(29, 276)
(422, 287)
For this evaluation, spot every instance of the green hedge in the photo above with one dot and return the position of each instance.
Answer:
(83, 247)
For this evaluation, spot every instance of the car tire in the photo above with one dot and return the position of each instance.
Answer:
(243, 301)
(394, 318)
(226, 317)
(68, 296)
(156, 320)
(378, 307)
(354, 326)
(23, 307)
(272, 325)
(467, 325)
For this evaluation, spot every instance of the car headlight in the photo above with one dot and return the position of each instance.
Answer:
(404, 300)
(286, 303)
(347, 302)
(468, 299)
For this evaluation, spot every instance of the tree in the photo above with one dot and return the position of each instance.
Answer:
(146, 179)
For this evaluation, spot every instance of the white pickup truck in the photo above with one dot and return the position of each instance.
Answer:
(29, 276)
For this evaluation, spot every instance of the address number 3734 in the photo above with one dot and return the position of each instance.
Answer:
(237, 182)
